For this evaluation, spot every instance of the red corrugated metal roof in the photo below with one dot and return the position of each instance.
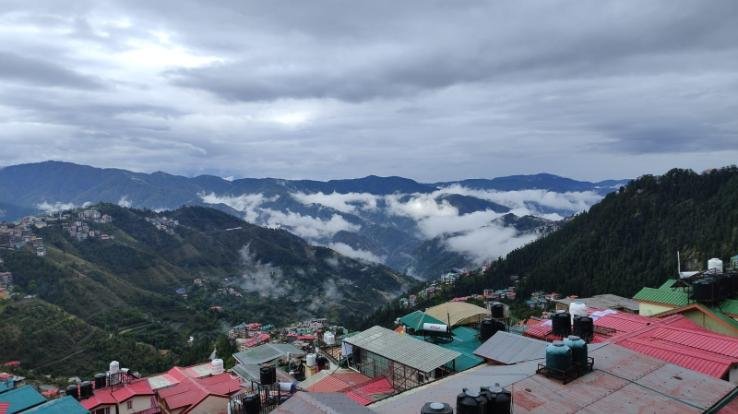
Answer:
(117, 395)
(190, 391)
(339, 381)
(4, 408)
(368, 392)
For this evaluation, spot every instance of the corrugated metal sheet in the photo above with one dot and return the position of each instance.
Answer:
(458, 313)
(670, 296)
(404, 349)
(623, 381)
(416, 319)
(507, 348)
(266, 353)
(321, 403)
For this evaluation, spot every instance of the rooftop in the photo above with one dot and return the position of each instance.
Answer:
(404, 349)
(21, 398)
(267, 353)
(506, 348)
(605, 301)
(64, 405)
(189, 391)
(415, 320)
(118, 394)
(669, 296)
(622, 378)
(458, 313)
(321, 403)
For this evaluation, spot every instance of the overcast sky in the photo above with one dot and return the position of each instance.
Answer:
(432, 90)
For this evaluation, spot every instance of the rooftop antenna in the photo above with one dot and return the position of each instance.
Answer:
(214, 354)
(679, 266)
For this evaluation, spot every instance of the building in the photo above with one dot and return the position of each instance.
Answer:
(63, 405)
(622, 381)
(605, 301)
(19, 399)
(135, 397)
(321, 403)
(198, 389)
(249, 360)
(405, 361)
(458, 313)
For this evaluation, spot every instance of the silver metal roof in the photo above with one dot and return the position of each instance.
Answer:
(604, 301)
(404, 349)
(267, 353)
(507, 348)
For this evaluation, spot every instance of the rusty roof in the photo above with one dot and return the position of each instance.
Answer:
(623, 381)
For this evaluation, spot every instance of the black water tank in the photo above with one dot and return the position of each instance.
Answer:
(436, 408)
(73, 391)
(498, 399)
(561, 324)
(85, 390)
(584, 327)
(251, 404)
(267, 375)
(101, 380)
(486, 329)
(470, 403)
(322, 362)
(498, 310)
(703, 290)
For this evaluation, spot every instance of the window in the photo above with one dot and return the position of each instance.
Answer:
(129, 404)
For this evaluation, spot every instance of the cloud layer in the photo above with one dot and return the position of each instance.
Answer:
(433, 90)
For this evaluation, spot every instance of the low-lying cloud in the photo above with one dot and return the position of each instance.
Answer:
(349, 251)
(50, 208)
(263, 278)
(345, 203)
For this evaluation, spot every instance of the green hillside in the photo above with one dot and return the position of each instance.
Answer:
(127, 287)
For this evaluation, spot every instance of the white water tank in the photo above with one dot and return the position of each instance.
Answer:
(216, 366)
(435, 327)
(715, 264)
(114, 367)
(310, 360)
(329, 338)
(577, 309)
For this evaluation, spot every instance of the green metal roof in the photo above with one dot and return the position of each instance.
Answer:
(21, 399)
(675, 297)
(7, 385)
(729, 306)
(466, 341)
(667, 284)
(415, 320)
(719, 313)
(64, 405)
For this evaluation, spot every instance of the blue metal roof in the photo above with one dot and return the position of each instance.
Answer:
(65, 405)
(21, 399)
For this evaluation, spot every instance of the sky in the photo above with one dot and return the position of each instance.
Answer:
(431, 90)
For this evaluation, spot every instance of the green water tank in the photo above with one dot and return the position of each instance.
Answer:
(578, 350)
(558, 356)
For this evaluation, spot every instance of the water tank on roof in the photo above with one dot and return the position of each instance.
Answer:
(486, 329)
(703, 290)
(85, 390)
(216, 366)
(310, 360)
(469, 402)
(290, 387)
(561, 324)
(436, 408)
(114, 367)
(715, 264)
(558, 356)
(498, 399)
(267, 375)
(498, 310)
(251, 404)
(584, 328)
(101, 380)
(73, 391)
(578, 350)
(329, 338)
(577, 309)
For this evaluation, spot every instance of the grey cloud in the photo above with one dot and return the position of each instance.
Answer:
(15, 67)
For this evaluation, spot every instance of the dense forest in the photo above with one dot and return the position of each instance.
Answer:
(139, 296)
(627, 241)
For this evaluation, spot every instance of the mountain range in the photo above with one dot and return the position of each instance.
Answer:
(421, 229)
(145, 285)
